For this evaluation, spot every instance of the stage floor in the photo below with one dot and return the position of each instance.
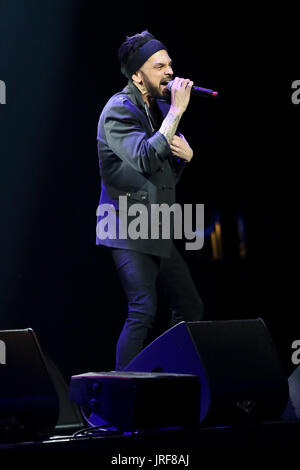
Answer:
(160, 448)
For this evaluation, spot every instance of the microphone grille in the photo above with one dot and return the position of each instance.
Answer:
(170, 85)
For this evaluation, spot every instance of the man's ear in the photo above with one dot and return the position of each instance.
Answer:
(137, 77)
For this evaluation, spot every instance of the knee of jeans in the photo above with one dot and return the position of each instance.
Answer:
(142, 309)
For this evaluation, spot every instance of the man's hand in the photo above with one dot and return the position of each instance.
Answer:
(180, 148)
(180, 97)
(180, 94)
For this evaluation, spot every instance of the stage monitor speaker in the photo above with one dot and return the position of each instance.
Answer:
(292, 411)
(70, 418)
(132, 400)
(240, 373)
(29, 406)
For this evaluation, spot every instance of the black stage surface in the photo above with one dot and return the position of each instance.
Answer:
(238, 444)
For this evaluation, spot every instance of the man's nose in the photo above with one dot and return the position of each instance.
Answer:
(169, 70)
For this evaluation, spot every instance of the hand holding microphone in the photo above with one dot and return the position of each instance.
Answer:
(196, 90)
(180, 89)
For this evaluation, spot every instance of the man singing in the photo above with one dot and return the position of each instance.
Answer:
(141, 158)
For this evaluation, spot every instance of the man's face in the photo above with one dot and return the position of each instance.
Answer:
(155, 74)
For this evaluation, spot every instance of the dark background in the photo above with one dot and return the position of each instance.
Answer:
(58, 60)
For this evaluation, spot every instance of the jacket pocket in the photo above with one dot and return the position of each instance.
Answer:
(138, 196)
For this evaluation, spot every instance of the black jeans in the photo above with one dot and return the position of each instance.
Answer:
(140, 274)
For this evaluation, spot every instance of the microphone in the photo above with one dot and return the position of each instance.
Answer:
(196, 90)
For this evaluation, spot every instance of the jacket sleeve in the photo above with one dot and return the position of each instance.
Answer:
(127, 138)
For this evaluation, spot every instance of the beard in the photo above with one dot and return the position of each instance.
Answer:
(154, 91)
